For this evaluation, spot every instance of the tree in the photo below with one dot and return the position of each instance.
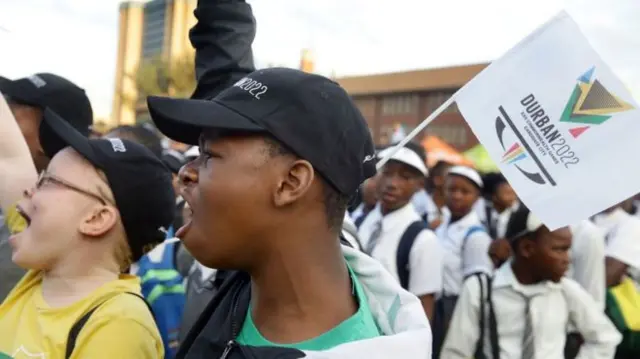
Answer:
(159, 76)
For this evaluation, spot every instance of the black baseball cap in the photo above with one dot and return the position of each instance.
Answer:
(140, 182)
(46, 90)
(309, 114)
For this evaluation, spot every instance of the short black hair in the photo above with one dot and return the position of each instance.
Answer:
(335, 203)
(517, 227)
(143, 136)
(440, 168)
(492, 182)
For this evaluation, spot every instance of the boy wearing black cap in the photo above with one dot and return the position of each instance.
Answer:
(87, 220)
(28, 97)
(531, 304)
(282, 152)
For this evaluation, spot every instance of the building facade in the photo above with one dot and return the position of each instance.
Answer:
(147, 29)
(407, 98)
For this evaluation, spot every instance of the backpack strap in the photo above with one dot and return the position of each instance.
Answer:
(470, 231)
(404, 250)
(491, 226)
(493, 323)
(80, 323)
(479, 353)
(358, 221)
(487, 301)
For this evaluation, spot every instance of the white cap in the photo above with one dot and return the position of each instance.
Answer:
(407, 157)
(468, 173)
(192, 152)
(533, 223)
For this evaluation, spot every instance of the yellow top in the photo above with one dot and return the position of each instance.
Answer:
(121, 327)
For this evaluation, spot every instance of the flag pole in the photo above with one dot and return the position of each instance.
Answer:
(416, 130)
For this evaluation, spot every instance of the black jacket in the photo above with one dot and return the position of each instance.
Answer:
(222, 38)
(214, 333)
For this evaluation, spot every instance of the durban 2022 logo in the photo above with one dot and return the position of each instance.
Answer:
(590, 104)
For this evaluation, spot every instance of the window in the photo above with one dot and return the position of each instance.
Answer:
(399, 105)
(456, 135)
(435, 99)
(154, 24)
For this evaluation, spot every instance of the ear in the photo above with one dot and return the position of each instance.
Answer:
(100, 221)
(526, 247)
(294, 184)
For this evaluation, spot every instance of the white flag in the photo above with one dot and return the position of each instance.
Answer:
(563, 128)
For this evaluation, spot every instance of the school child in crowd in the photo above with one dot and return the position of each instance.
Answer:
(622, 250)
(265, 201)
(27, 98)
(523, 310)
(464, 240)
(369, 194)
(394, 234)
(77, 230)
(161, 280)
(502, 200)
(432, 208)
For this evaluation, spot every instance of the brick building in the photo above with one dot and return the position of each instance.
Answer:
(409, 97)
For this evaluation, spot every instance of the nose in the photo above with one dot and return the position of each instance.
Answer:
(188, 175)
(392, 182)
(28, 193)
(455, 195)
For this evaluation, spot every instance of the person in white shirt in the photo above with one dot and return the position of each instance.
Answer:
(503, 200)
(382, 231)
(465, 243)
(587, 255)
(528, 304)
(369, 190)
(622, 233)
(429, 201)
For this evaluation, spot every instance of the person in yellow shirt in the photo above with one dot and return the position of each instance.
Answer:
(99, 206)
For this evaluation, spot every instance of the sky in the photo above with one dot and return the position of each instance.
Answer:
(78, 38)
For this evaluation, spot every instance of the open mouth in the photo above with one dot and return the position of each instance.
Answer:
(24, 215)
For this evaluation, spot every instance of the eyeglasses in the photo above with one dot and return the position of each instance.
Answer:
(49, 178)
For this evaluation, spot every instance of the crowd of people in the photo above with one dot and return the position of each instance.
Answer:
(252, 221)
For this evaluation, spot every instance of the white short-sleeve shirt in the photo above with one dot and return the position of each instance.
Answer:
(425, 258)
(587, 260)
(553, 307)
(623, 237)
(465, 252)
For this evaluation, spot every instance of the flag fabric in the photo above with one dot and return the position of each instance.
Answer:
(561, 126)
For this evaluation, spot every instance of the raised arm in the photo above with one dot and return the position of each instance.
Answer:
(222, 38)
(16, 165)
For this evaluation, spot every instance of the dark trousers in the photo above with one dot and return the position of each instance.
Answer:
(442, 316)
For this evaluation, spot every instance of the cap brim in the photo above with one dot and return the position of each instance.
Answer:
(183, 120)
(15, 91)
(57, 134)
